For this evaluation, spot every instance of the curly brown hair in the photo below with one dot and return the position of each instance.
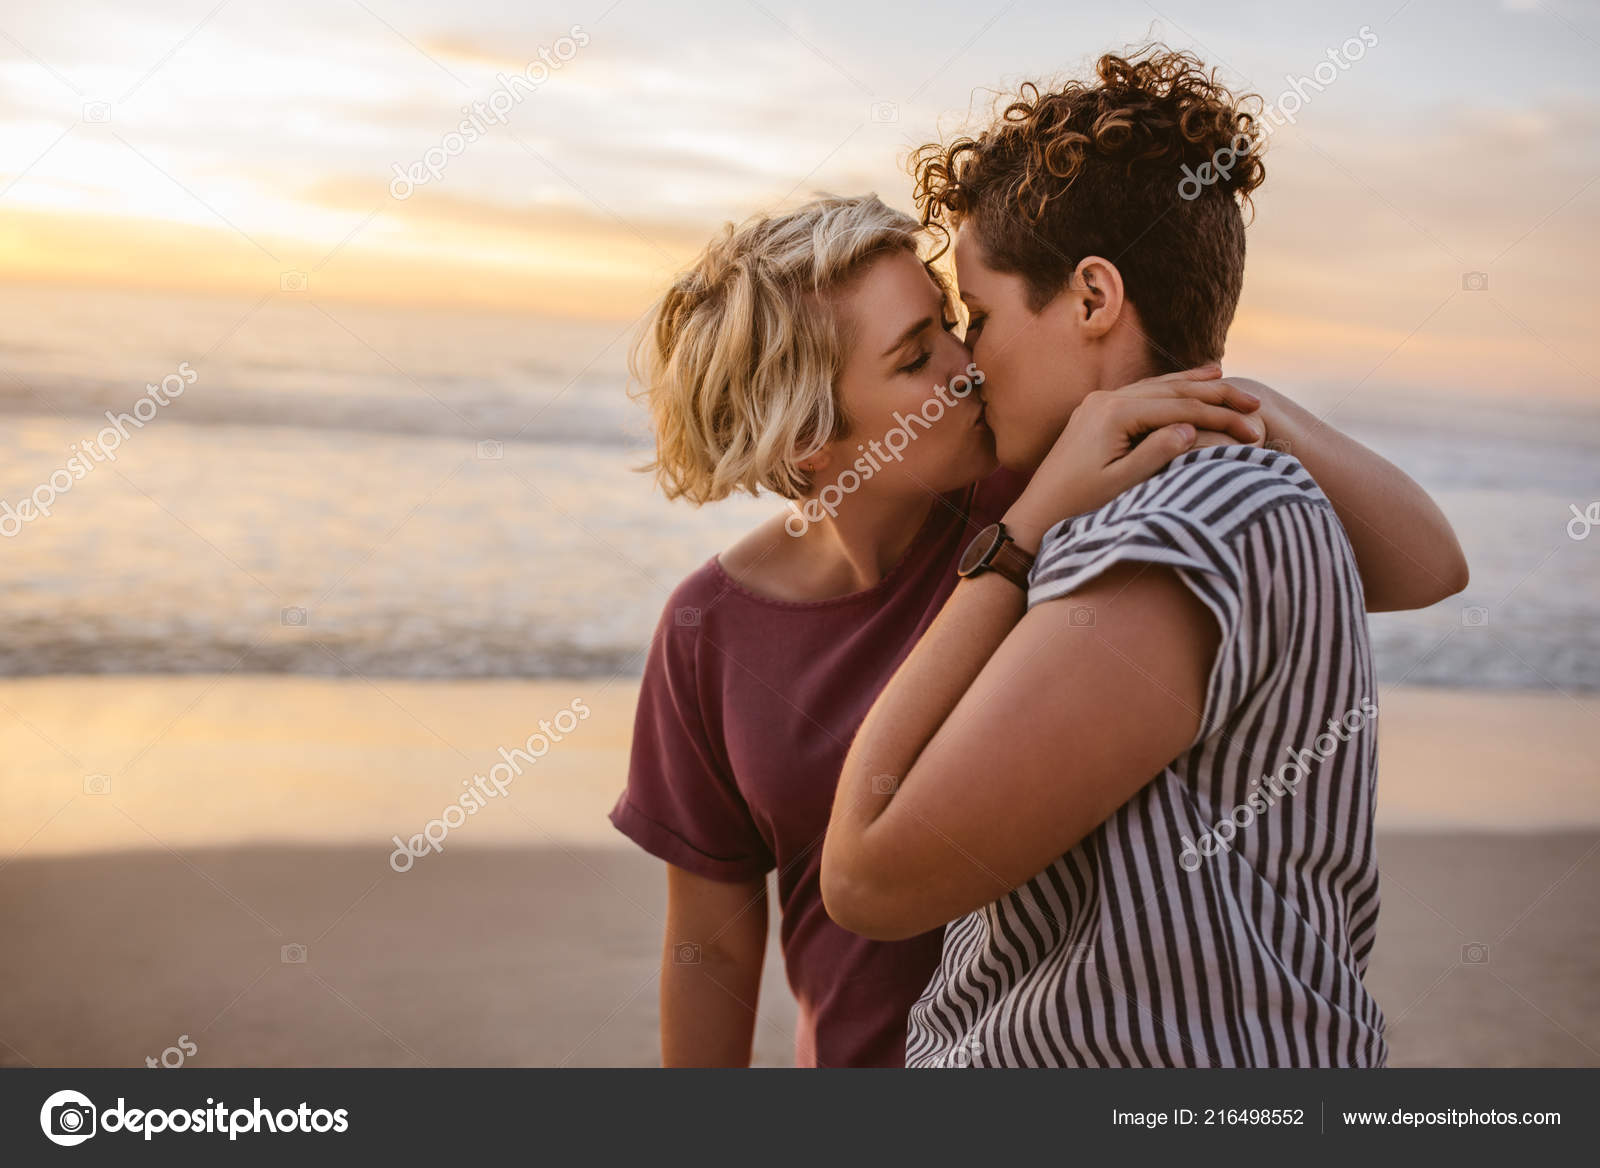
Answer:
(1148, 165)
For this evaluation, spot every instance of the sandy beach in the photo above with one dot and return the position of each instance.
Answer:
(209, 857)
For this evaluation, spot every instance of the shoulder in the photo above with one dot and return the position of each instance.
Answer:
(1196, 514)
(761, 559)
(692, 596)
(674, 646)
(1224, 489)
(720, 590)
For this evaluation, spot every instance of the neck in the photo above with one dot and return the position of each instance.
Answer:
(1132, 363)
(855, 548)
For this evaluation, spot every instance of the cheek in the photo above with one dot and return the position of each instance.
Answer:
(1021, 367)
(997, 356)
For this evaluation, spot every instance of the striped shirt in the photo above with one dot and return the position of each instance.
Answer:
(1224, 915)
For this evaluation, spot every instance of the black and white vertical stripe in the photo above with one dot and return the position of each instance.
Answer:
(1118, 954)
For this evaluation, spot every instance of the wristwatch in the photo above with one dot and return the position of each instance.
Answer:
(993, 550)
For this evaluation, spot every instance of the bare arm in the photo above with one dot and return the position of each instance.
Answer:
(711, 959)
(913, 840)
(1405, 548)
(1011, 760)
(1009, 734)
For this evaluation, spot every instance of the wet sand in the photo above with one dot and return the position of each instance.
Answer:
(248, 816)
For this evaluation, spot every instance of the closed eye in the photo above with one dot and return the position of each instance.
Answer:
(917, 365)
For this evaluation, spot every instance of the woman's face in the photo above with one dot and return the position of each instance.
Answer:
(916, 422)
(1036, 364)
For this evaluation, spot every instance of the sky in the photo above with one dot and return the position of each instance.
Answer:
(1428, 217)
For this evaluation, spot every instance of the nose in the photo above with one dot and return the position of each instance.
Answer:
(959, 357)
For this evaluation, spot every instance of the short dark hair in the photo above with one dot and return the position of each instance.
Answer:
(1144, 166)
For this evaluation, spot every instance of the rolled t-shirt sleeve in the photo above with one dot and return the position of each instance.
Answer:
(1207, 552)
(681, 804)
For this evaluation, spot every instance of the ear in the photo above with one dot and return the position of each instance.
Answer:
(815, 463)
(1099, 297)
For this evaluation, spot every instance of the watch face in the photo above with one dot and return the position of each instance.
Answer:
(979, 550)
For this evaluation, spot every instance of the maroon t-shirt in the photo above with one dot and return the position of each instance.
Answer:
(746, 711)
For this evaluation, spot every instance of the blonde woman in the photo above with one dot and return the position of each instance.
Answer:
(813, 355)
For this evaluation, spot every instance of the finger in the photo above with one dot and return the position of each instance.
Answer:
(1140, 415)
(1210, 372)
(1222, 393)
(1149, 456)
(1239, 397)
(1212, 438)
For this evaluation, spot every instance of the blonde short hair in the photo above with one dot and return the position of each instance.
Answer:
(740, 357)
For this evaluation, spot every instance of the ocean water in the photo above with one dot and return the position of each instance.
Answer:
(427, 494)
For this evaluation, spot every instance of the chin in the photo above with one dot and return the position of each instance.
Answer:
(1015, 455)
(986, 467)
(985, 458)
(971, 465)
(964, 474)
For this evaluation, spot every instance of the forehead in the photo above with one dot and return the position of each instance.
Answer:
(970, 268)
(893, 292)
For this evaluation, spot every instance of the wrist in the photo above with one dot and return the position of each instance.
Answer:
(1044, 503)
(1027, 527)
(1024, 531)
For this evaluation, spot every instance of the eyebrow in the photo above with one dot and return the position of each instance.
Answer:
(900, 341)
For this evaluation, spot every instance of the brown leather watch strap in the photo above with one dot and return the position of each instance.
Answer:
(1013, 563)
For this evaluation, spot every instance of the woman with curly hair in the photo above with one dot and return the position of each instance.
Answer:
(1135, 767)
(813, 355)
